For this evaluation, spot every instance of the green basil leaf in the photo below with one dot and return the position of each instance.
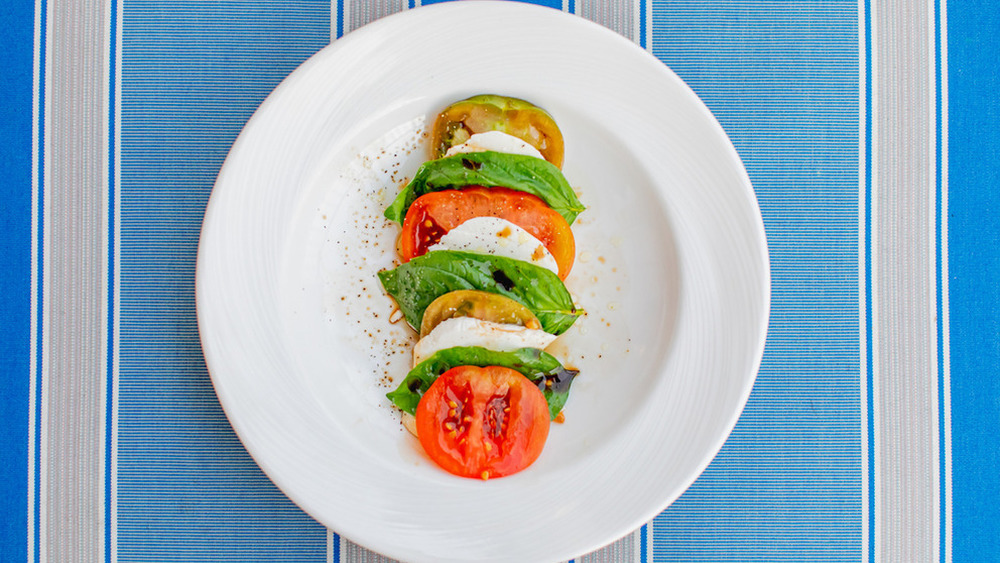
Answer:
(415, 284)
(514, 171)
(541, 368)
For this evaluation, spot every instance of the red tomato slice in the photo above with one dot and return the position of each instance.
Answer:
(434, 214)
(483, 422)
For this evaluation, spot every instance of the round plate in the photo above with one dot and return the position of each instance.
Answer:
(671, 267)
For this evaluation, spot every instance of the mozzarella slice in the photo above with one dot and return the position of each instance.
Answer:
(468, 331)
(409, 423)
(496, 141)
(497, 237)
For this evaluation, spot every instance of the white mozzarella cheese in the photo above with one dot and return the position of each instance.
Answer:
(468, 331)
(496, 141)
(497, 237)
(410, 423)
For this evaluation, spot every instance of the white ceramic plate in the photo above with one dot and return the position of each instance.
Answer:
(671, 266)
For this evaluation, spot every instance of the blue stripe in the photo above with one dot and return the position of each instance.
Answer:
(973, 271)
(340, 18)
(869, 357)
(15, 277)
(112, 275)
(642, 543)
(187, 489)
(642, 23)
(40, 276)
(783, 80)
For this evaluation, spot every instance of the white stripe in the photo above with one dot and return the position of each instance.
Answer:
(932, 84)
(346, 16)
(872, 442)
(943, 248)
(330, 549)
(46, 291)
(636, 27)
(648, 546)
(36, 164)
(862, 277)
(649, 24)
(936, 480)
(105, 399)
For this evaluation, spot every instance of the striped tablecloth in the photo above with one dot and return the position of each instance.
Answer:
(868, 128)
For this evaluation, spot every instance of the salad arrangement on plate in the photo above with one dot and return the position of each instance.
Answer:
(484, 248)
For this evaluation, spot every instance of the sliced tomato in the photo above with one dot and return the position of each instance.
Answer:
(477, 304)
(434, 214)
(513, 116)
(482, 422)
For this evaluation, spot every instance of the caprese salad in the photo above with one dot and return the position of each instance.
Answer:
(484, 248)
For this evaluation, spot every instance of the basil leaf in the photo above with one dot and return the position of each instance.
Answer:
(415, 284)
(514, 171)
(541, 368)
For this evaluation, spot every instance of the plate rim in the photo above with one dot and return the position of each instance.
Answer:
(344, 44)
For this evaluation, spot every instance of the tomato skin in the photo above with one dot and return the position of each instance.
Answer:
(432, 215)
(463, 426)
(477, 304)
(488, 112)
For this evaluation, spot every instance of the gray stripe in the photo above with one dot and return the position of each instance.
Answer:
(625, 550)
(360, 12)
(353, 553)
(618, 15)
(903, 250)
(73, 378)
